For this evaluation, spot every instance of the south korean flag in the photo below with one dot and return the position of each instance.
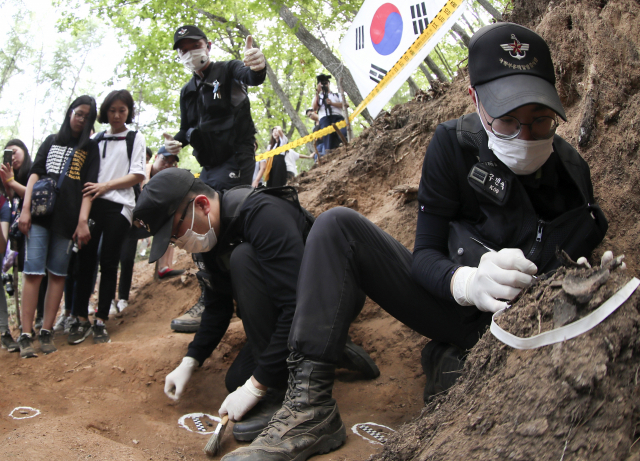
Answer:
(381, 33)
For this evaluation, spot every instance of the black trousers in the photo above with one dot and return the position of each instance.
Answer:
(237, 171)
(258, 314)
(128, 259)
(112, 226)
(346, 255)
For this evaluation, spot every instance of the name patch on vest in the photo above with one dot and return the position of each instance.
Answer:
(489, 182)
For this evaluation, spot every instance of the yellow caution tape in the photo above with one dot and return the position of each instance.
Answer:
(443, 15)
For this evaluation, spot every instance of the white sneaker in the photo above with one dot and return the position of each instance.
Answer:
(122, 304)
(113, 310)
(59, 326)
(67, 324)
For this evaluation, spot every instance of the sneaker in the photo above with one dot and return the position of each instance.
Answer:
(113, 310)
(100, 334)
(7, 342)
(67, 324)
(26, 346)
(167, 272)
(122, 305)
(39, 323)
(79, 331)
(59, 327)
(46, 342)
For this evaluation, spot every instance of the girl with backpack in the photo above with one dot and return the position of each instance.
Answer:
(64, 164)
(122, 166)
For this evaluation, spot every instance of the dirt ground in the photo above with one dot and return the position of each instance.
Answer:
(107, 401)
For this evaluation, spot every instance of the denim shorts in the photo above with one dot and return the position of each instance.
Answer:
(46, 249)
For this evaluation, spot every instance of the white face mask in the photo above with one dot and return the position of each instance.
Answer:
(194, 242)
(520, 156)
(194, 60)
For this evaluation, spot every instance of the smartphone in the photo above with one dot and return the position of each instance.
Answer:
(8, 157)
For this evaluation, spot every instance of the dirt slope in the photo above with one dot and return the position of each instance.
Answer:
(107, 402)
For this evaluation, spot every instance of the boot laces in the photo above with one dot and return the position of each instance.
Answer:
(290, 405)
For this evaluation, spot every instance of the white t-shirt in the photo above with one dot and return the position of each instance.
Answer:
(322, 110)
(114, 164)
(256, 170)
(290, 159)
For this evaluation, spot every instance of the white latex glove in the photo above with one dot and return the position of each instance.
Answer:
(253, 57)
(176, 380)
(499, 276)
(239, 402)
(172, 146)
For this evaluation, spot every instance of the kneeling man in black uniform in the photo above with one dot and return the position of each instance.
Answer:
(251, 241)
(499, 179)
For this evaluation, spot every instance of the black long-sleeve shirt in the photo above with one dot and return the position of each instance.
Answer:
(240, 75)
(559, 195)
(274, 228)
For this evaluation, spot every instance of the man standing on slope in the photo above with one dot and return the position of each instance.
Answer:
(500, 176)
(215, 118)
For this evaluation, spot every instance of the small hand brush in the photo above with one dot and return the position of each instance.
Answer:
(213, 445)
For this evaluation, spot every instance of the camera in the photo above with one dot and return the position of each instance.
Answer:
(7, 281)
(323, 79)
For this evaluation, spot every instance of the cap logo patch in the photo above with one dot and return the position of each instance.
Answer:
(182, 31)
(517, 49)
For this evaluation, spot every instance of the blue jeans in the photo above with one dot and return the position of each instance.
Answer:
(331, 141)
(46, 250)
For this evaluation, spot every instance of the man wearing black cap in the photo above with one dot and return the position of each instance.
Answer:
(215, 118)
(251, 243)
(498, 179)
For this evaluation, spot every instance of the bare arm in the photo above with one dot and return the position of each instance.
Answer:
(82, 235)
(95, 190)
(4, 235)
(24, 224)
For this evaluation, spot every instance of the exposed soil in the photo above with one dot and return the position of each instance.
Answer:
(572, 401)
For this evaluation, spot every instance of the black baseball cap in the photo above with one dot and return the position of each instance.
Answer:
(323, 78)
(510, 66)
(157, 204)
(187, 32)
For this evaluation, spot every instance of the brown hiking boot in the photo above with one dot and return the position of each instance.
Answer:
(307, 424)
(189, 322)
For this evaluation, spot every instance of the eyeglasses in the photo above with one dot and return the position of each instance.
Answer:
(509, 127)
(184, 214)
(80, 116)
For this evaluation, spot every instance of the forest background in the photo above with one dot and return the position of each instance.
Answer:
(55, 50)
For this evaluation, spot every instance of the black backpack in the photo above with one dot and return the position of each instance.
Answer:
(130, 139)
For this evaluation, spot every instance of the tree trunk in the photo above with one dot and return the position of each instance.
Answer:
(486, 4)
(435, 69)
(288, 107)
(426, 73)
(271, 75)
(457, 28)
(464, 18)
(325, 56)
(413, 87)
